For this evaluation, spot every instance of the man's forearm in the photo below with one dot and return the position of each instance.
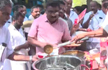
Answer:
(86, 24)
(97, 33)
(72, 31)
(18, 57)
(23, 46)
(34, 42)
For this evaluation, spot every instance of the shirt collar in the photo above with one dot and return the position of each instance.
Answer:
(97, 12)
(32, 17)
(12, 27)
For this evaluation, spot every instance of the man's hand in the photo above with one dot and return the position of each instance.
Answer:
(89, 30)
(23, 46)
(77, 38)
(35, 58)
(91, 16)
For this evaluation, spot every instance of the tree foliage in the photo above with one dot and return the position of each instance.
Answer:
(78, 2)
(81, 2)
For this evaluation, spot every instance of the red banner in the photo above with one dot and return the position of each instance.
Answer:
(80, 17)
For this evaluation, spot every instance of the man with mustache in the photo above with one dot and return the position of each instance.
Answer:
(18, 40)
(35, 12)
(48, 29)
(91, 21)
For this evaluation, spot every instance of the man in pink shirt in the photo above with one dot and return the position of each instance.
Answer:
(48, 29)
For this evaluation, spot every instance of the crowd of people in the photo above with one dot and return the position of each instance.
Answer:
(23, 38)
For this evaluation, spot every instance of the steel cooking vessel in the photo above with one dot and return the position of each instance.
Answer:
(60, 62)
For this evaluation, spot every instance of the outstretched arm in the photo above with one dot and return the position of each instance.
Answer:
(18, 57)
(97, 33)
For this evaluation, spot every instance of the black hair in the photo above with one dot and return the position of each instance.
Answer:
(78, 8)
(105, 5)
(17, 7)
(4, 3)
(34, 8)
(16, 15)
(84, 6)
(61, 2)
(99, 5)
(41, 6)
(53, 3)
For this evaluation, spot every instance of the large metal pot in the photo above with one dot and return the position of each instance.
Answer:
(79, 54)
(60, 62)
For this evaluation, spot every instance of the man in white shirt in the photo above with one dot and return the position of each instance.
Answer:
(91, 21)
(5, 10)
(93, 14)
(35, 12)
(18, 40)
(102, 32)
(69, 12)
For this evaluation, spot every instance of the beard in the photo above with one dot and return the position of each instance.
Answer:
(17, 26)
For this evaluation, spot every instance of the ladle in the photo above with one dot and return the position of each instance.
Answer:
(48, 49)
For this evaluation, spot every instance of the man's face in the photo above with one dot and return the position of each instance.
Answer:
(22, 10)
(52, 13)
(5, 15)
(36, 12)
(19, 21)
(69, 4)
(62, 10)
(93, 6)
(104, 9)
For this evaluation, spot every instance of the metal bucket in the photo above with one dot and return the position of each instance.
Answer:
(60, 62)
